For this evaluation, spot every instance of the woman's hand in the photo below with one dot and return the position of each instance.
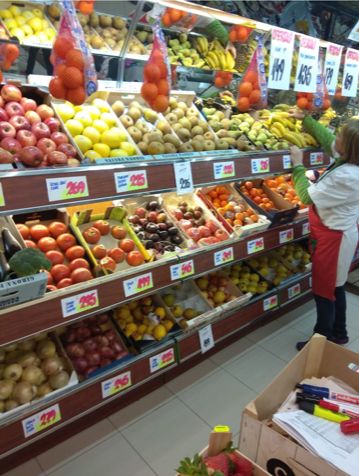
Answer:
(296, 156)
(297, 114)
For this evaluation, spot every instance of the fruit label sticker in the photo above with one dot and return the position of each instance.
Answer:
(307, 68)
(223, 170)
(183, 177)
(280, 61)
(79, 303)
(331, 67)
(316, 158)
(182, 270)
(256, 245)
(42, 420)
(305, 229)
(293, 291)
(350, 74)
(130, 181)
(66, 188)
(206, 338)
(287, 162)
(270, 303)
(138, 284)
(260, 166)
(159, 361)
(223, 256)
(116, 384)
(286, 235)
(2, 198)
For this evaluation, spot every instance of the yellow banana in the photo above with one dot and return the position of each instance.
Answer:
(230, 60)
(280, 127)
(210, 62)
(276, 132)
(294, 138)
(214, 58)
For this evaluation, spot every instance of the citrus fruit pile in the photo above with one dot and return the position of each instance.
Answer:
(239, 33)
(249, 93)
(284, 186)
(258, 195)
(305, 101)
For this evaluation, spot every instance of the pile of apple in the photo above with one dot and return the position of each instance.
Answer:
(214, 287)
(92, 344)
(30, 133)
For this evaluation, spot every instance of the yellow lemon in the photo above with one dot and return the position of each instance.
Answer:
(130, 329)
(160, 312)
(159, 332)
(168, 324)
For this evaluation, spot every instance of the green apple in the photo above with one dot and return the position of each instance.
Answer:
(21, 20)
(20, 35)
(74, 127)
(37, 12)
(92, 155)
(42, 37)
(27, 14)
(109, 118)
(113, 137)
(50, 33)
(118, 153)
(36, 24)
(5, 14)
(84, 118)
(93, 111)
(10, 23)
(15, 11)
(100, 125)
(128, 148)
(100, 104)
(65, 111)
(102, 149)
(92, 133)
(83, 143)
(27, 30)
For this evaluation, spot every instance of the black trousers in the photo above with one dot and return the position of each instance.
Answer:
(331, 315)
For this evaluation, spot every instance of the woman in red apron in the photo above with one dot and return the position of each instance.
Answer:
(333, 217)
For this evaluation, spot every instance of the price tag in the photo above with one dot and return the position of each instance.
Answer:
(2, 198)
(351, 73)
(305, 229)
(79, 303)
(223, 170)
(287, 162)
(331, 67)
(293, 291)
(138, 284)
(316, 158)
(206, 338)
(260, 166)
(270, 303)
(280, 61)
(42, 420)
(307, 68)
(182, 270)
(183, 176)
(286, 235)
(256, 245)
(159, 361)
(129, 181)
(66, 188)
(223, 256)
(116, 384)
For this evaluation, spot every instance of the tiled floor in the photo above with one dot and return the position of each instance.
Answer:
(149, 437)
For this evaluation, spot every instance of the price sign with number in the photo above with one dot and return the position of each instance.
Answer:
(42, 420)
(294, 291)
(116, 384)
(66, 188)
(280, 61)
(287, 162)
(331, 67)
(351, 73)
(223, 256)
(286, 235)
(130, 181)
(138, 284)
(316, 158)
(223, 170)
(206, 338)
(182, 270)
(256, 245)
(260, 166)
(307, 69)
(159, 361)
(183, 176)
(79, 303)
(270, 303)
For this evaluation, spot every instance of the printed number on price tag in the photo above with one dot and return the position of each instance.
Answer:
(270, 303)
(182, 270)
(307, 68)
(286, 235)
(331, 68)
(223, 256)
(351, 73)
(293, 291)
(206, 338)
(79, 303)
(138, 284)
(66, 188)
(130, 181)
(116, 384)
(256, 245)
(183, 176)
(223, 170)
(159, 361)
(42, 420)
(260, 166)
(316, 158)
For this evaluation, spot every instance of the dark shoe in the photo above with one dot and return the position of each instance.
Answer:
(299, 346)
(339, 340)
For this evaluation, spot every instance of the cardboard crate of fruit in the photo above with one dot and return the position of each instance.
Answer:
(194, 219)
(272, 269)
(146, 321)
(232, 210)
(109, 239)
(31, 370)
(283, 186)
(246, 279)
(295, 256)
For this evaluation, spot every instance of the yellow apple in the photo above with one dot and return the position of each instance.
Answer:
(118, 153)
(5, 14)
(65, 111)
(21, 20)
(83, 143)
(92, 133)
(109, 118)
(27, 30)
(74, 127)
(37, 13)
(36, 24)
(42, 37)
(112, 137)
(100, 125)
(102, 149)
(32, 39)
(45, 24)
(27, 14)
(128, 148)
(15, 11)
(50, 33)
(20, 35)
(10, 23)
(93, 111)
(100, 104)
(84, 118)
(92, 155)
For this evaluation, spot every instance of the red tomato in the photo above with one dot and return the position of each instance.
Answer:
(103, 226)
(30, 244)
(79, 263)
(117, 255)
(59, 272)
(79, 275)
(50, 279)
(99, 251)
(64, 283)
(56, 257)
(47, 244)
(118, 232)
(108, 263)
(127, 245)
(24, 231)
(57, 228)
(51, 287)
(74, 252)
(134, 258)
(65, 241)
(92, 235)
(39, 231)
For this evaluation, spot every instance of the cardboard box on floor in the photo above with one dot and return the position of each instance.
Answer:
(265, 443)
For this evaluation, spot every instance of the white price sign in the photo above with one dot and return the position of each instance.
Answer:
(286, 235)
(331, 67)
(138, 284)
(294, 291)
(351, 73)
(79, 303)
(159, 361)
(260, 166)
(223, 170)
(206, 338)
(280, 61)
(270, 303)
(183, 176)
(42, 420)
(66, 188)
(182, 270)
(131, 180)
(307, 69)
(116, 384)
(287, 162)
(256, 245)
(223, 256)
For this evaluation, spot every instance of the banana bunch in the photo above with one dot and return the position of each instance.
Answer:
(285, 127)
(200, 43)
(220, 60)
(327, 117)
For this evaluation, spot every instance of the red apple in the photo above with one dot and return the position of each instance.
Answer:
(59, 138)
(40, 130)
(67, 149)
(31, 156)
(56, 158)
(20, 122)
(26, 138)
(194, 233)
(28, 104)
(46, 145)
(11, 144)
(13, 108)
(3, 115)
(44, 111)
(7, 130)
(5, 157)
(9, 92)
(32, 117)
(221, 235)
(52, 123)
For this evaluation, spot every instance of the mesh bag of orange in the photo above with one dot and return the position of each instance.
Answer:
(85, 7)
(9, 52)
(74, 71)
(182, 20)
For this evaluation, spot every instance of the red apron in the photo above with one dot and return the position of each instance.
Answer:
(325, 247)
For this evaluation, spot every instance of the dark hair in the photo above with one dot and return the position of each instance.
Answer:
(350, 140)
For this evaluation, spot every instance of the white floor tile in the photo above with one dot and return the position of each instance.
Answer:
(282, 344)
(30, 468)
(232, 352)
(195, 374)
(354, 345)
(265, 331)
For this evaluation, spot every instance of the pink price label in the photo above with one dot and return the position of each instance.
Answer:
(42, 420)
(293, 291)
(79, 303)
(270, 303)
(116, 384)
(316, 158)
(182, 270)
(130, 181)
(286, 235)
(137, 284)
(260, 166)
(66, 188)
(223, 170)
(223, 256)
(159, 361)
(256, 245)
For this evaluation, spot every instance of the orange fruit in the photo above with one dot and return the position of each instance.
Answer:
(57, 89)
(163, 70)
(242, 34)
(59, 69)
(11, 51)
(251, 76)
(72, 77)
(175, 15)
(219, 82)
(243, 104)
(151, 73)
(62, 45)
(149, 91)
(160, 104)
(245, 88)
(76, 96)
(163, 87)
(326, 104)
(255, 96)
(75, 58)
(233, 35)
(302, 103)
(166, 20)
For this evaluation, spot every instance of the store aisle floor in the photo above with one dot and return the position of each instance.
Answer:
(153, 434)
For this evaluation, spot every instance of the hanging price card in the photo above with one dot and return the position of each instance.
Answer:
(286, 235)
(280, 61)
(130, 181)
(42, 420)
(270, 303)
(183, 176)
(2, 198)
(260, 166)
(223, 170)
(206, 338)
(287, 162)
(182, 270)
(256, 245)
(331, 67)
(79, 303)
(137, 284)
(316, 158)
(351, 73)
(66, 188)
(223, 256)
(116, 384)
(307, 68)
(293, 291)
(305, 229)
(159, 361)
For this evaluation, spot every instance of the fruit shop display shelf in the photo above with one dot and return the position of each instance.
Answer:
(24, 190)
